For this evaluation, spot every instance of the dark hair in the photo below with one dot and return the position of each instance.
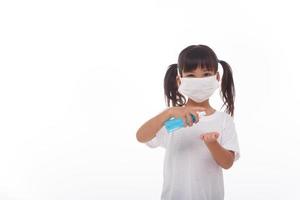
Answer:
(190, 59)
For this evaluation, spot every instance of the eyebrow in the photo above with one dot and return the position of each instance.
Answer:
(206, 71)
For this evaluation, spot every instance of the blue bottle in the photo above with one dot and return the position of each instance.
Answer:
(173, 123)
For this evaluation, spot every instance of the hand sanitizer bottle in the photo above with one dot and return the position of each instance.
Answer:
(174, 124)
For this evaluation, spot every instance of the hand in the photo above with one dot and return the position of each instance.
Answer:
(210, 137)
(185, 113)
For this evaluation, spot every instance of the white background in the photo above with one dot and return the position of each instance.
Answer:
(78, 78)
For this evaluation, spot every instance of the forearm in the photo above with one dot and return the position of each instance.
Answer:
(222, 156)
(147, 131)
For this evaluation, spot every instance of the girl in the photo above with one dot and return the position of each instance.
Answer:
(195, 154)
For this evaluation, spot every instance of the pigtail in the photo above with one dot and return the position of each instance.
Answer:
(227, 88)
(171, 88)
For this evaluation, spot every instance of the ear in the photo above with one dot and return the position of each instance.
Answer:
(218, 76)
(178, 80)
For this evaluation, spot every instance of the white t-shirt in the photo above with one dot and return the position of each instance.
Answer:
(190, 171)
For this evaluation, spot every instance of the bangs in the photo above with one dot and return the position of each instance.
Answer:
(196, 57)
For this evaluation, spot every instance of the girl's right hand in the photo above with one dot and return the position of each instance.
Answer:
(185, 113)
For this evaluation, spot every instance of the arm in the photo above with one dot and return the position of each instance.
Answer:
(148, 130)
(222, 156)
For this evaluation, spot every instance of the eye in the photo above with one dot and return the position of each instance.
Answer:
(207, 74)
(191, 75)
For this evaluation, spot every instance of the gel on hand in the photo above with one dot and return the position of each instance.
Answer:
(174, 124)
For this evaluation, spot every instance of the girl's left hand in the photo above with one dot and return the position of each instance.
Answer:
(210, 137)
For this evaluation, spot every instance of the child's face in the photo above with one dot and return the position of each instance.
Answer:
(198, 73)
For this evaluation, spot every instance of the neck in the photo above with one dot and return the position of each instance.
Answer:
(205, 104)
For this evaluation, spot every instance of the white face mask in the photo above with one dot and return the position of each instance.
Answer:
(198, 89)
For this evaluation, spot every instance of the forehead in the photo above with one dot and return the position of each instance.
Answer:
(199, 70)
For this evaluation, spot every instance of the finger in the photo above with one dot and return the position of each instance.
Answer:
(214, 134)
(205, 137)
(189, 115)
(189, 119)
(217, 135)
(184, 120)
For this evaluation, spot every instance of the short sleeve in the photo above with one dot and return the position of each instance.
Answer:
(229, 138)
(159, 139)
